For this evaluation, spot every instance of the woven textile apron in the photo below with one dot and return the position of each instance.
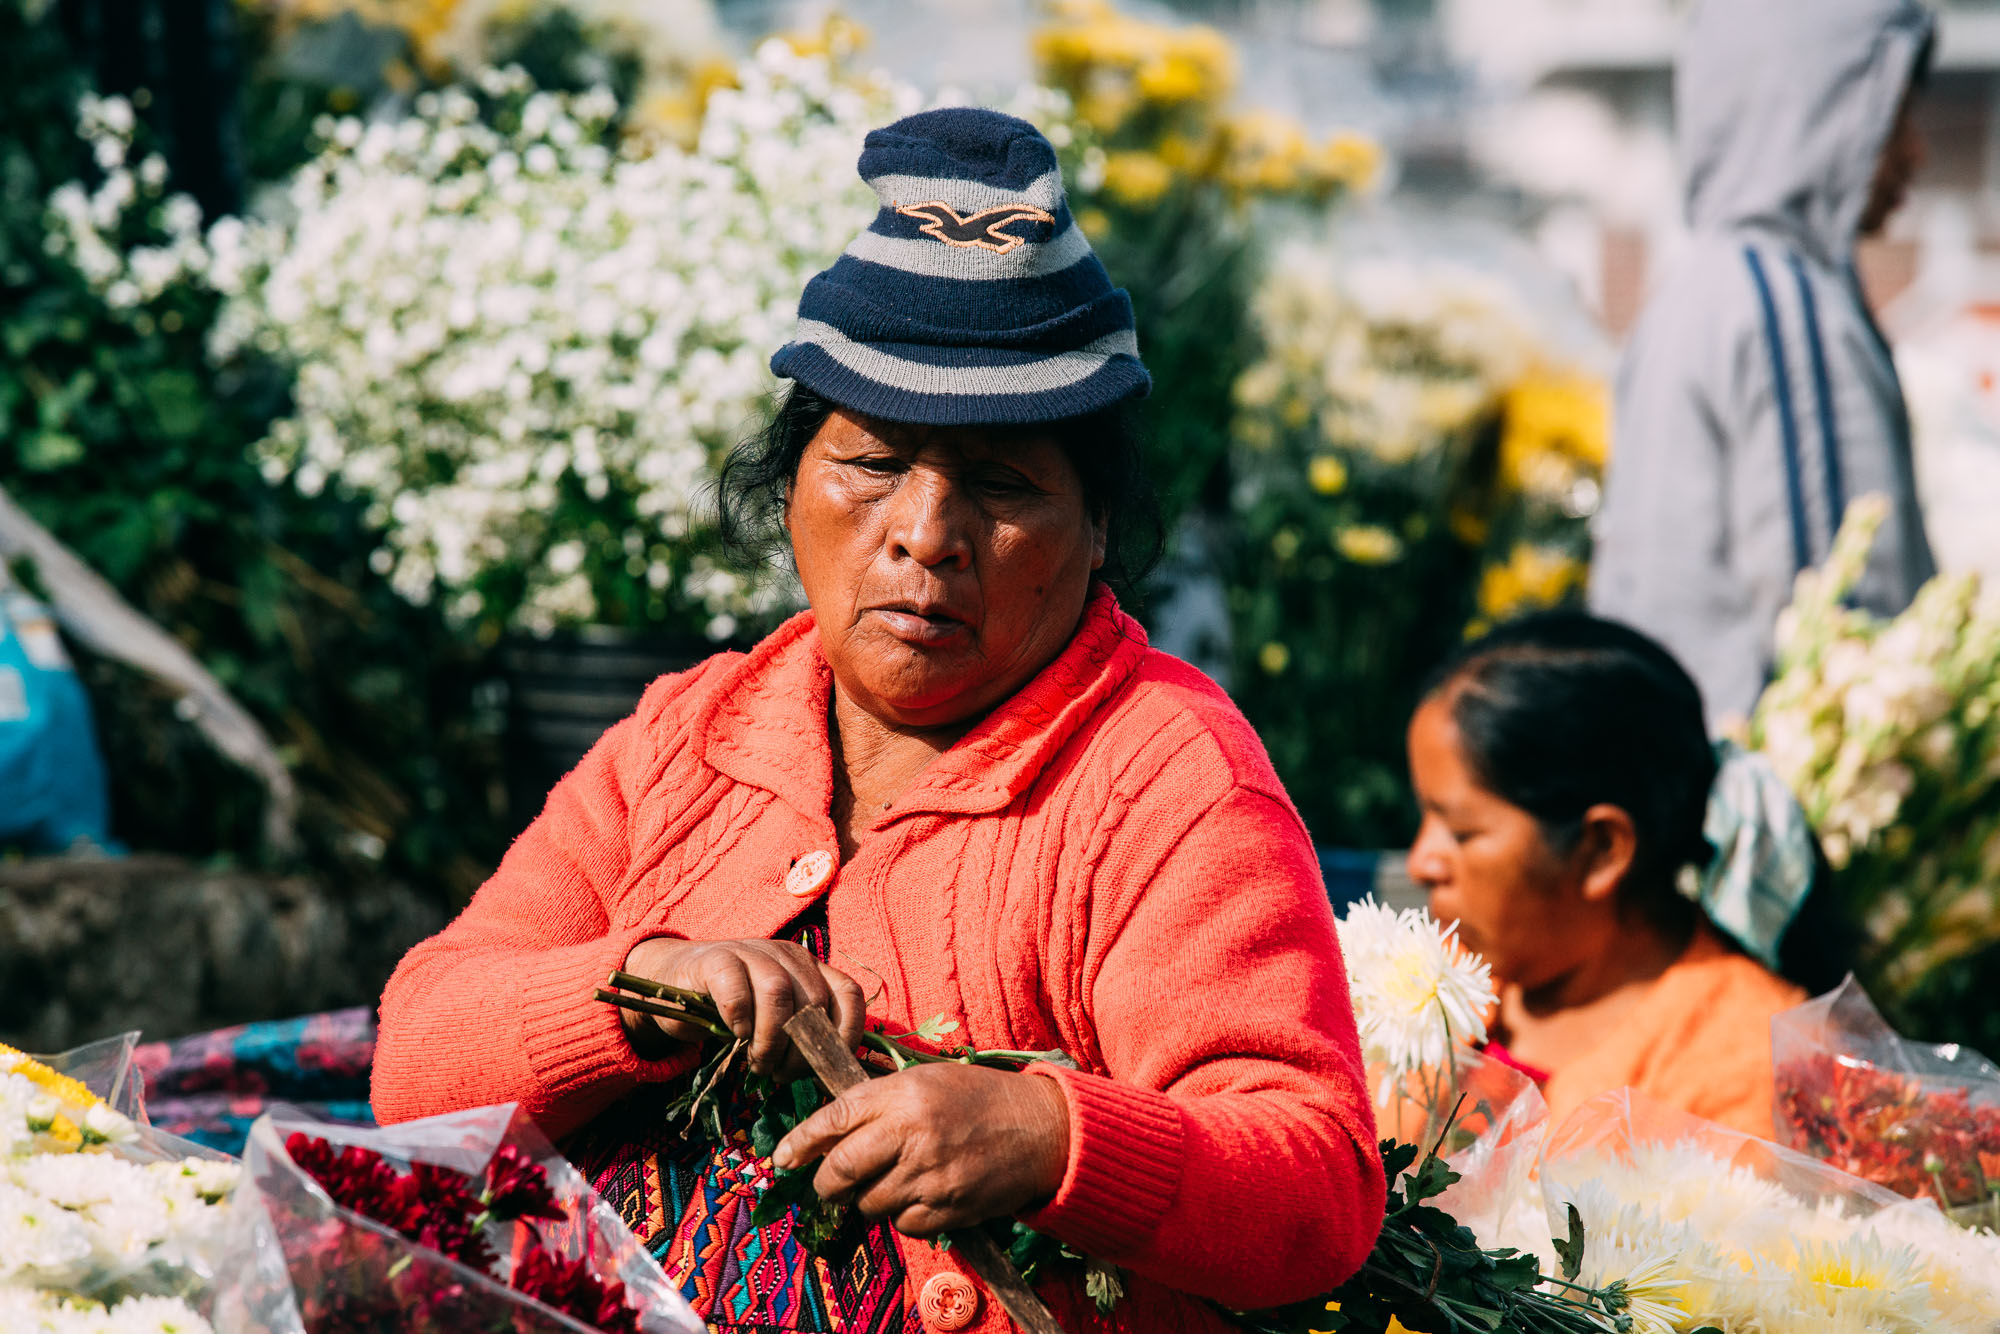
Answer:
(690, 1204)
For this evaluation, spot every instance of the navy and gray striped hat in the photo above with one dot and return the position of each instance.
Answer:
(973, 297)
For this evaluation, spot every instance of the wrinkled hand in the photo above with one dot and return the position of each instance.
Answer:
(936, 1147)
(756, 984)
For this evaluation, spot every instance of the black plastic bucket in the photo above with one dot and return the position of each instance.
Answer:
(563, 692)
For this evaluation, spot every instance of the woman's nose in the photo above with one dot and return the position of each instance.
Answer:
(1428, 863)
(928, 522)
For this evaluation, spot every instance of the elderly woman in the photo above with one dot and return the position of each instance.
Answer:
(961, 784)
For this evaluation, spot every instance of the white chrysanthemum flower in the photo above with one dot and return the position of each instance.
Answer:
(1418, 993)
(1862, 1277)
(155, 1315)
(39, 1239)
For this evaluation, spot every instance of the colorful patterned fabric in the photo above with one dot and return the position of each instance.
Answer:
(209, 1087)
(690, 1202)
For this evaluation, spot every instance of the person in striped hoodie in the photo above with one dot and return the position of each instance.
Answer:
(1757, 397)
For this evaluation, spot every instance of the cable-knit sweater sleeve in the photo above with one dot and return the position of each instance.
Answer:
(1228, 1147)
(496, 1007)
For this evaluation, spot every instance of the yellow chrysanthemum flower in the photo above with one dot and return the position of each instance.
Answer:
(1137, 179)
(1367, 544)
(1532, 576)
(1327, 474)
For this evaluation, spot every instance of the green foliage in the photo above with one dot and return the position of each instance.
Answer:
(1342, 605)
(1430, 1273)
(117, 435)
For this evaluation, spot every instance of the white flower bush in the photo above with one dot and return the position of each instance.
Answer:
(132, 241)
(1394, 356)
(1888, 731)
(528, 353)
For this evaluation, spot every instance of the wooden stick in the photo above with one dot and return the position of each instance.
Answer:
(814, 1036)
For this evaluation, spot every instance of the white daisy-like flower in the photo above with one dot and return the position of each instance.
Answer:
(155, 1315)
(1863, 1277)
(1418, 993)
(39, 1240)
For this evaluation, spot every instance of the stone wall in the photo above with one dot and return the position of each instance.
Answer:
(92, 948)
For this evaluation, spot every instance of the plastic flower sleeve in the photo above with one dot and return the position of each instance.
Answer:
(1710, 1226)
(303, 1264)
(105, 1068)
(1499, 1137)
(1921, 1119)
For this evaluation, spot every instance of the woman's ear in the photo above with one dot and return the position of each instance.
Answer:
(1605, 851)
(1100, 537)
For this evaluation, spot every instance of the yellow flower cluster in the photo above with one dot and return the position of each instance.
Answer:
(424, 22)
(71, 1120)
(1155, 95)
(60, 1086)
(1556, 432)
(1116, 67)
(1533, 576)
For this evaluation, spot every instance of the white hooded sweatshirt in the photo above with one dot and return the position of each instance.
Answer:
(1756, 397)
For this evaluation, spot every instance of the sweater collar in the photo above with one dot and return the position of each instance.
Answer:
(767, 724)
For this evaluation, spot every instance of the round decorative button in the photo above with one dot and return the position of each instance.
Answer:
(948, 1303)
(809, 873)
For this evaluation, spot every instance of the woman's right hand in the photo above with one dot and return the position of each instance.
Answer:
(756, 984)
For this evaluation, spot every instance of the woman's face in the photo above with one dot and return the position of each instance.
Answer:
(1486, 862)
(945, 566)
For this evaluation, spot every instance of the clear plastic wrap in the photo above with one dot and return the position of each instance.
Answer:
(302, 1264)
(1497, 1153)
(1711, 1226)
(1921, 1119)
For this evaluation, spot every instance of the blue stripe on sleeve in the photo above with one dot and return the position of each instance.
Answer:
(1788, 427)
(1829, 433)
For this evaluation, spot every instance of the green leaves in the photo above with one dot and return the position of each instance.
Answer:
(46, 451)
(1570, 1250)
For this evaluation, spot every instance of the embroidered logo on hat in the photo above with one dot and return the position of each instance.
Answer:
(981, 229)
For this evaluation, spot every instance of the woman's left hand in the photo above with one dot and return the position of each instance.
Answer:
(936, 1147)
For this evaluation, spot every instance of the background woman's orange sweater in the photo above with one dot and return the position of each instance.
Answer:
(1106, 864)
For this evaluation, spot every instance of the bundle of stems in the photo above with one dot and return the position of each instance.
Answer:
(888, 1051)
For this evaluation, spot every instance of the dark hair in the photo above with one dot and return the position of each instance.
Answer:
(1104, 447)
(1561, 711)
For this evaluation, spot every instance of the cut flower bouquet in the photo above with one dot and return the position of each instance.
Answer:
(104, 1224)
(467, 1222)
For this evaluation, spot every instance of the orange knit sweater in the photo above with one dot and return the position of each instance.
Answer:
(1106, 864)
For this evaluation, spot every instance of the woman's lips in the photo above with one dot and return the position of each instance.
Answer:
(919, 627)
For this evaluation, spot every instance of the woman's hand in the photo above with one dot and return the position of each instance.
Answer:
(936, 1147)
(756, 984)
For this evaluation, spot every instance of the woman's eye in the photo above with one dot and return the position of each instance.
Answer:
(881, 467)
(1004, 484)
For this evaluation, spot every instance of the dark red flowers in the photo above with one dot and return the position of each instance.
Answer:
(569, 1286)
(517, 1187)
(441, 1210)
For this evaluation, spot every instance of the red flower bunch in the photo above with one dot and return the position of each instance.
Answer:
(1890, 1129)
(447, 1212)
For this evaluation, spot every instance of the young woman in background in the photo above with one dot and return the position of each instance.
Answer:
(1565, 776)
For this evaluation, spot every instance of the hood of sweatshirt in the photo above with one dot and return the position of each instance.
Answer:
(1783, 108)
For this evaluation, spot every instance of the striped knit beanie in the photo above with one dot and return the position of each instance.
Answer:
(973, 296)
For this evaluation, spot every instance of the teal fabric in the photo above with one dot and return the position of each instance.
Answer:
(1763, 864)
